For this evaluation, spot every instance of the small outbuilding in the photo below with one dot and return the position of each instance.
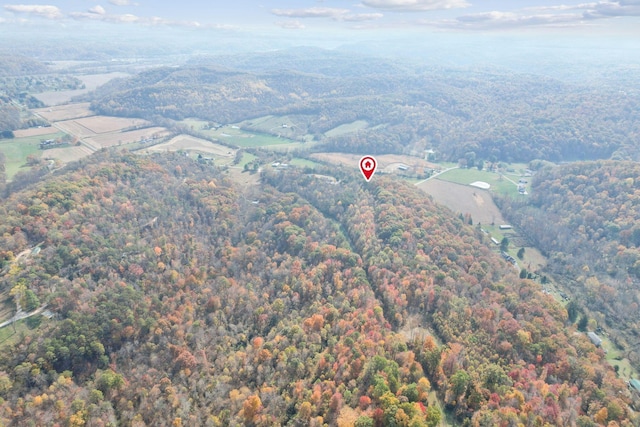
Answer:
(481, 184)
(596, 340)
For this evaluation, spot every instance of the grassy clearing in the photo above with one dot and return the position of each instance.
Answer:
(284, 126)
(616, 357)
(9, 337)
(347, 128)
(246, 158)
(16, 151)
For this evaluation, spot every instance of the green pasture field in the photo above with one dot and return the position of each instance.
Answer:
(246, 158)
(498, 185)
(302, 163)
(16, 151)
(232, 134)
(616, 357)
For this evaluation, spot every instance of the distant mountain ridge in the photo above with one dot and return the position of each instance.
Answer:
(455, 111)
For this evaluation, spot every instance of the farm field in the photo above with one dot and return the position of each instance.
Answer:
(232, 134)
(302, 163)
(105, 124)
(191, 143)
(67, 154)
(96, 132)
(507, 184)
(283, 126)
(65, 112)
(504, 185)
(89, 126)
(46, 130)
(464, 199)
(17, 150)
(386, 162)
(121, 138)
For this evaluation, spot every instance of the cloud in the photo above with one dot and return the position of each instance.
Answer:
(121, 2)
(415, 5)
(312, 12)
(99, 14)
(608, 9)
(290, 25)
(542, 16)
(98, 9)
(559, 7)
(595, 10)
(509, 19)
(43, 11)
(327, 12)
(496, 20)
(360, 17)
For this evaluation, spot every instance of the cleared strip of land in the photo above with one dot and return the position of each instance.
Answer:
(105, 124)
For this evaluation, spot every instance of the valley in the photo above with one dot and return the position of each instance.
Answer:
(210, 254)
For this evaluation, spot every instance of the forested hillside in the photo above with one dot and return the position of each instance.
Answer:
(585, 217)
(19, 65)
(492, 113)
(179, 302)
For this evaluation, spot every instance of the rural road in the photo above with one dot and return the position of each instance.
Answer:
(22, 315)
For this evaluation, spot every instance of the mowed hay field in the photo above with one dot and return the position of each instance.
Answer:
(464, 199)
(66, 154)
(190, 143)
(65, 112)
(72, 127)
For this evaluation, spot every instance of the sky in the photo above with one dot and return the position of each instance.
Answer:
(618, 18)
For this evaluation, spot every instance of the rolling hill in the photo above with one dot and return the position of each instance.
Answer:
(183, 299)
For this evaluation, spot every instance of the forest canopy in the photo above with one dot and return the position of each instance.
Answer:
(188, 303)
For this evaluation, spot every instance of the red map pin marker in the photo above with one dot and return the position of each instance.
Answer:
(368, 167)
